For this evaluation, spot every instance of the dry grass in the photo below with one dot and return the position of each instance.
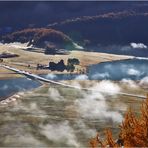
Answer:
(33, 58)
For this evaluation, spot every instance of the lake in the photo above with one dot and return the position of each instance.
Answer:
(134, 69)
(11, 86)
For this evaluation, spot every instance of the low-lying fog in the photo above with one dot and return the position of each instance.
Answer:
(134, 49)
(63, 117)
(134, 69)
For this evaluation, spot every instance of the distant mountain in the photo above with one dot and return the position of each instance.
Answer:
(41, 13)
(109, 32)
(121, 27)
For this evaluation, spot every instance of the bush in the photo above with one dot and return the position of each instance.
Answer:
(133, 131)
(73, 61)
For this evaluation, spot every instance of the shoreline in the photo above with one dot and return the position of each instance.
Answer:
(15, 96)
(45, 72)
(28, 60)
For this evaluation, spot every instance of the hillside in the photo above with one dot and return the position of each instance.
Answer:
(111, 32)
(121, 27)
(40, 38)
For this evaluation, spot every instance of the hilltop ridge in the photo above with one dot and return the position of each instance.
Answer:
(40, 38)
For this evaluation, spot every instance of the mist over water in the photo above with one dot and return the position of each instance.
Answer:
(133, 49)
(134, 69)
(71, 112)
(11, 86)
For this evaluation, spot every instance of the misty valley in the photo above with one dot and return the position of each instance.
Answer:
(73, 74)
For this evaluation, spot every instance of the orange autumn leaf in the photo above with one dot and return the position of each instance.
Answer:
(133, 131)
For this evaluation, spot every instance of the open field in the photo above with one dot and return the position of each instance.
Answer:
(33, 58)
(56, 116)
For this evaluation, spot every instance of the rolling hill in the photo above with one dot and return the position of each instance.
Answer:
(40, 38)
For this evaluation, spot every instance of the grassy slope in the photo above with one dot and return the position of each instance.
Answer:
(33, 58)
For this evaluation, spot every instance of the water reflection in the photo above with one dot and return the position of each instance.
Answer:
(11, 86)
(128, 69)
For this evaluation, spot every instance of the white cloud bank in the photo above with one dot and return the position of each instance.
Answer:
(144, 81)
(133, 72)
(100, 75)
(81, 77)
(16, 45)
(106, 86)
(130, 83)
(60, 133)
(93, 105)
(55, 94)
(138, 45)
(51, 76)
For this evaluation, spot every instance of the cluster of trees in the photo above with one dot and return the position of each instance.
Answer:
(133, 131)
(60, 66)
(37, 36)
(70, 64)
(73, 61)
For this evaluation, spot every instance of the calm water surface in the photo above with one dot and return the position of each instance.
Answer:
(134, 69)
